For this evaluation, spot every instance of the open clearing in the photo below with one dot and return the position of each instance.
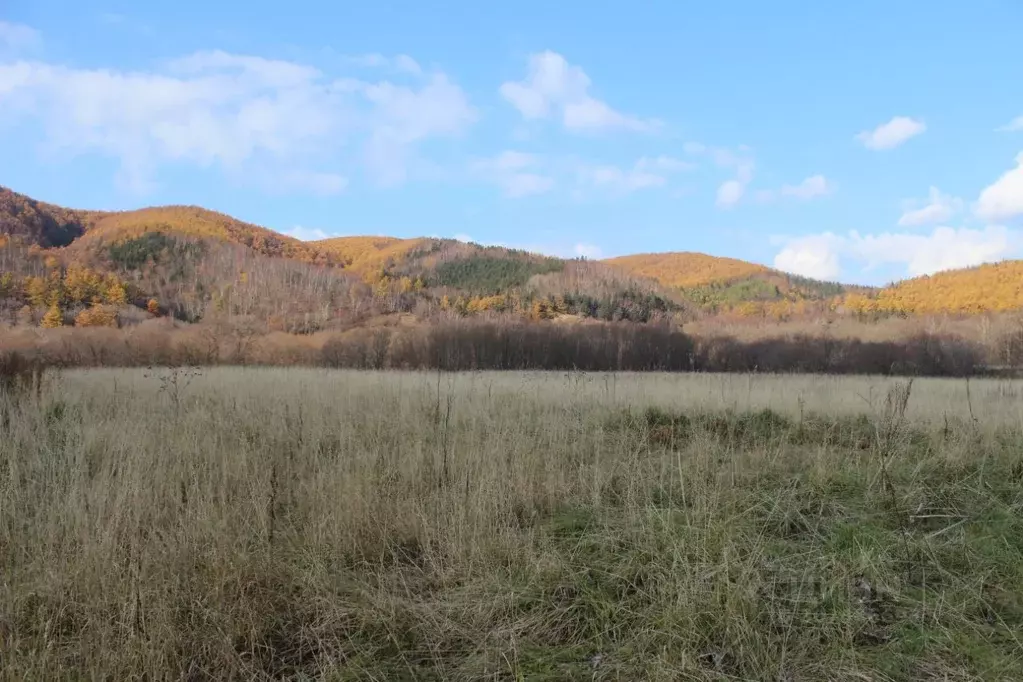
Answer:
(307, 524)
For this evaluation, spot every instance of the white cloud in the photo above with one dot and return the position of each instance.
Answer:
(124, 22)
(813, 186)
(214, 108)
(891, 134)
(730, 192)
(403, 116)
(306, 234)
(519, 185)
(939, 209)
(520, 174)
(16, 38)
(666, 164)
(402, 62)
(588, 251)
(814, 256)
(512, 160)
(554, 86)
(619, 180)
(323, 184)
(1003, 199)
(1013, 126)
(516, 173)
(945, 248)
(647, 172)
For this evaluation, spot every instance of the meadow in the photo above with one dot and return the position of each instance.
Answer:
(288, 523)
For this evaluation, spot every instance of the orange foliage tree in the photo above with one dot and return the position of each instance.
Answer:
(97, 316)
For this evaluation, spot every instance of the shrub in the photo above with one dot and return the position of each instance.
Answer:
(19, 373)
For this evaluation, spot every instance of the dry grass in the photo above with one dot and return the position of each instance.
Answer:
(301, 524)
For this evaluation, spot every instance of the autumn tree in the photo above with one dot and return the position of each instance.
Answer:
(53, 317)
(37, 291)
(96, 316)
(115, 292)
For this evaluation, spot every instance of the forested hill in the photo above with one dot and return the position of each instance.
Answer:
(197, 264)
(717, 284)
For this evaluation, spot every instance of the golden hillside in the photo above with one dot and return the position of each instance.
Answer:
(192, 221)
(39, 223)
(714, 284)
(366, 256)
(987, 288)
(686, 269)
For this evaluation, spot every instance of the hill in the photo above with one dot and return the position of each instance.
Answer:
(49, 226)
(686, 270)
(368, 256)
(995, 287)
(39, 223)
(197, 223)
(200, 265)
(718, 284)
(197, 264)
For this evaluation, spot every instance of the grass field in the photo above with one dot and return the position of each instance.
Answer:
(308, 524)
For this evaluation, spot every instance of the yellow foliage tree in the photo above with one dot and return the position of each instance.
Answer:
(382, 287)
(96, 316)
(82, 284)
(479, 304)
(153, 306)
(541, 310)
(115, 294)
(53, 317)
(37, 291)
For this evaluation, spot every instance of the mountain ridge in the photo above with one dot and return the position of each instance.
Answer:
(102, 225)
(471, 278)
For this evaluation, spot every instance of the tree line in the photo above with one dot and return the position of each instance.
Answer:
(466, 344)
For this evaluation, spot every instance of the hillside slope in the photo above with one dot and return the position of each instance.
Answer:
(369, 255)
(188, 257)
(49, 226)
(995, 287)
(197, 223)
(683, 270)
(39, 223)
(719, 284)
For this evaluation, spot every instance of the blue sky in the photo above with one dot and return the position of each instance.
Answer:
(863, 141)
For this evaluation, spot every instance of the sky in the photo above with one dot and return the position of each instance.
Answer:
(862, 142)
